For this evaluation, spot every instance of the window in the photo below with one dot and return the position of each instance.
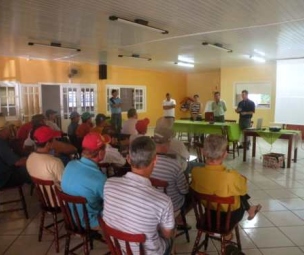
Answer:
(131, 97)
(9, 99)
(80, 98)
(259, 93)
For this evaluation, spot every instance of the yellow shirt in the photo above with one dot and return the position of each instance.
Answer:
(97, 129)
(220, 181)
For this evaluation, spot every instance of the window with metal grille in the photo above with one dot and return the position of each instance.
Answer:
(9, 99)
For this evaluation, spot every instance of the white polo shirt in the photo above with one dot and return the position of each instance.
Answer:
(169, 112)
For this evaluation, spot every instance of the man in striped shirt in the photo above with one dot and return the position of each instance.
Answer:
(167, 168)
(133, 205)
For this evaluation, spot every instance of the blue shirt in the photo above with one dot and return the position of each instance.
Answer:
(83, 178)
(113, 101)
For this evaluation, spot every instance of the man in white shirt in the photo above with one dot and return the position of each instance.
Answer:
(128, 127)
(169, 106)
(50, 119)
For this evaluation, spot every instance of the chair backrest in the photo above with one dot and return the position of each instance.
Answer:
(46, 193)
(115, 238)
(207, 209)
(157, 183)
(70, 207)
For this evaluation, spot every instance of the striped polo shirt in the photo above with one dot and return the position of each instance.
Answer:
(195, 107)
(133, 205)
(169, 169)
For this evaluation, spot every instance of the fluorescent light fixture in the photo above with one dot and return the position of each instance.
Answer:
(258, 59)
(184, 64)
(139, 23)
(134, 56)
(185, 59)
(217, 46)
(261, 53)
(53, 45)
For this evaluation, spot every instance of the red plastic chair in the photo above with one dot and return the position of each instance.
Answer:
(205, 223)
(115, 238)
(69, 207)
(49, 205)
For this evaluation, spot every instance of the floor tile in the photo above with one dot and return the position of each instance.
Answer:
(282, 251)
(283, 218)
(268, 237)
(292, 203)
(281, 193)
(295, 234)
(269, 204)
(5, 242)
(258, 221)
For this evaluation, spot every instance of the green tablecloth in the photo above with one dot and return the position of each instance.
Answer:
(271, 137)
(201, 127)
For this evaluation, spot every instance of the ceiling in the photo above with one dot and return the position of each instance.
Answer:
(275, 27)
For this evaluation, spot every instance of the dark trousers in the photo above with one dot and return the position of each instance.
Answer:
(116, 121)
(19, 176)
(245, 123)
(219, 118)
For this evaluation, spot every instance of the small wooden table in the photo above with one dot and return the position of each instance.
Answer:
(289, 135)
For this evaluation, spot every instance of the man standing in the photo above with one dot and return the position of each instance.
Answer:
(83, 177)
(12, 167)
(195, 108)
(245, 109)
(133, 205)
(219, 108)
(169, 107)
(115, 107)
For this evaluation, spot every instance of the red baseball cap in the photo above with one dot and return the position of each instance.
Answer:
(45, 133)
(94, 141)
(142, 125)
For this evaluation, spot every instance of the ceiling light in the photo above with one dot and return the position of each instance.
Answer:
(53, 45)
(217, 46)
(185, 64)
(261, 53)
(258, 59)
(134, 56)
(185, 59)
(139, 23)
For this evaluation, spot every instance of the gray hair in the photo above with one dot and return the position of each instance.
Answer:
(215, 146)
(142, 151)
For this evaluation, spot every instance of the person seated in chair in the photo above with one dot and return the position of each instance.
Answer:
(215, 179)
(133, 205)
(84, 128)
(128, 127)
(83, 177)
(12, 167)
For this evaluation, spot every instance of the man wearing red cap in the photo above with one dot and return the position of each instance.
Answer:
(41, 164)
(83, 177)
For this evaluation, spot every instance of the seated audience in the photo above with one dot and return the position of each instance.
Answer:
(133, 205)
(37, 120)
(41, 163)
(84, 128)
(83, 177)
(128, 127)
(168, 168)
(12, 167)
(50, 119)
(216, 179)
(75, 117)
(100, 123)
(141, 128)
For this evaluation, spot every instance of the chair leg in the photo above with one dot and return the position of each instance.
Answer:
(67, 244)
(196, 243)
(41, 226)
(206, 241)
(56, 237)
(186, 231)
(238, 238)
(223, 246)
(23, 202)
(86, 251)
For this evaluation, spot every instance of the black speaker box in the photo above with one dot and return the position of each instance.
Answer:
(103, 72)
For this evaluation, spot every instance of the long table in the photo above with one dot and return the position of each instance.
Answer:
(293, 136)
(202, 127)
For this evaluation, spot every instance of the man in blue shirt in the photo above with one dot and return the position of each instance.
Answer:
(245, 109)
(83, 177)
(115, 107)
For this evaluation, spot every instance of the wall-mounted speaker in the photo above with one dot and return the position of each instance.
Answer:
(103, 72)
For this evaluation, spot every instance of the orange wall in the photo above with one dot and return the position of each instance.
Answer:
(157, 83)
(259, 73)
(203, 84)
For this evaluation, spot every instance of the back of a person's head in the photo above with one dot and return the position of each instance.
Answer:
(37, 119)
(164, 122)
(132, 113)
(214, 146)
(142, 151)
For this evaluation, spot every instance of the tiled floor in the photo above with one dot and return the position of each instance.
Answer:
(278, 229)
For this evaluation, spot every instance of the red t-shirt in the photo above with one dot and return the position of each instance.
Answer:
(24, 131)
